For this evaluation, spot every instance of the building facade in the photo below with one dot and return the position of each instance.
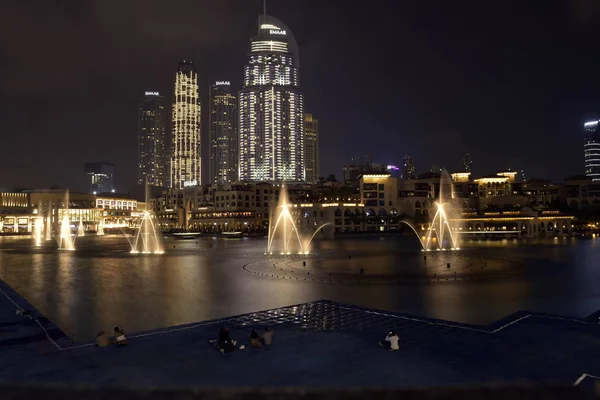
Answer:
(102, 176)
(311, 149)
(223, 135)
(271, 109)
(591, 149)
(153, 163)
(185, 150)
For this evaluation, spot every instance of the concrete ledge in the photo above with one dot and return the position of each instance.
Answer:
(480, 392)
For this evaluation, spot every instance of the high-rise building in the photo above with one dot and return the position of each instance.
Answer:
(591, 150)
(185, 149)
(271, 109)
(466, 164)
(409, 171)
(222, 130)
(153, 164)
(311, 149)
(102, 176)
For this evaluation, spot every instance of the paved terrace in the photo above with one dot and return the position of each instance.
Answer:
(320, 344)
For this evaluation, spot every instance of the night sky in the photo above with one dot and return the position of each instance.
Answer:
(510, 82)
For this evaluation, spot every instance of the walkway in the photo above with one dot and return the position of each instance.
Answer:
(319, 344)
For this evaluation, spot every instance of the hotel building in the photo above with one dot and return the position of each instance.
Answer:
(271, 109)
(591, 150)
(223, 137)
(102, 176)
(153, 163)
(311, 149)
(185, 149)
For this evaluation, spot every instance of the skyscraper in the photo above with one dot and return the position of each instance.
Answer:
(222, 130)
(409, 171)
(466, 164)
(185, 149)
(591, 150)
(271, 109)
(311, 149)
(152, 159)
(102, 176)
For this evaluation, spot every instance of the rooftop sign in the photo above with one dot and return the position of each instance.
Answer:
(152, 94)
(222, 83)
(276, 32)
(591, 123)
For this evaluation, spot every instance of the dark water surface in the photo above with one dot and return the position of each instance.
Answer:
(101, 284)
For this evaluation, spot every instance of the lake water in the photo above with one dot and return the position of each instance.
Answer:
(101, 285)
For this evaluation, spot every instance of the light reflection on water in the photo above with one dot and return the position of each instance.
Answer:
(101, 285)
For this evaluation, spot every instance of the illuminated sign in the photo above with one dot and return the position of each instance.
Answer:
(222, 83)
(152, 94)
(591, 123)
(393, 167)
(191, 183)
(274, 32)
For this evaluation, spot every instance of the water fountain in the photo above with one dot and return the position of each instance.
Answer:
(440, 224)
(284, 236)
(65, 239)
(149, 238)
(80, 228)
(100, 230)
(440, 234)
(48, 226)
(38, 231)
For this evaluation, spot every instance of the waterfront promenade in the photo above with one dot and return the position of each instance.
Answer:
(319, 344)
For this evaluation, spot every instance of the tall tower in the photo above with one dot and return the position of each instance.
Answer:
(311, 149)
(409, 171)
(466, 164)
(185, 149)
(271, 109)
(591, 150)
(152, 158)
(223, 136)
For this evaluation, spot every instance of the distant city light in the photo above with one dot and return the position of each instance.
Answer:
(113, 190)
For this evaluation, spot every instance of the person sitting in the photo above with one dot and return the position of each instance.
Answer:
(267, 336)
(391, 341)
(255, 339)
(225, 343)
(120, 337)
(102, 339)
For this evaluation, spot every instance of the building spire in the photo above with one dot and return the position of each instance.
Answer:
(265, 9)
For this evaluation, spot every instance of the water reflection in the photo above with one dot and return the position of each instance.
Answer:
(93, 288)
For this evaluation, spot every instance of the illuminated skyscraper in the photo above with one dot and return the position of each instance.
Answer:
(153, 162)
(591, 150)
(185, 149)
(102, 176)
(311, 149)
(271, 109)
(409, 171)
(223, 136)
